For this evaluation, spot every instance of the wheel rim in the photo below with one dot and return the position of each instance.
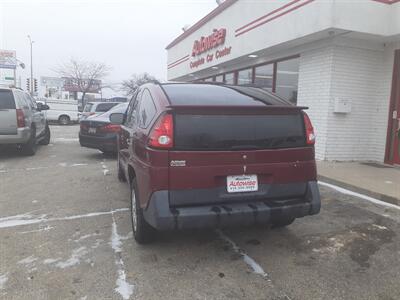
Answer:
(134, 216)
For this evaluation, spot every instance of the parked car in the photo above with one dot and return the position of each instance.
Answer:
(62, 111)
(97, 131)
(95, 109)
(22, 121)
(205, 155)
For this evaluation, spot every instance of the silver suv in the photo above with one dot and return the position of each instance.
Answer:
(22, 121)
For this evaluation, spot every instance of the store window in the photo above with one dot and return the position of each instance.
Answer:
(230, 78)
(287, 77)
(264, 77)
(219, 78)
(245, 77)
(210, 79)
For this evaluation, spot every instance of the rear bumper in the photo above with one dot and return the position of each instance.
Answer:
(106, 143)
(21, 137)
(161, 216)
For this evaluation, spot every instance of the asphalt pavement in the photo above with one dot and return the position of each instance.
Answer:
(65, 233)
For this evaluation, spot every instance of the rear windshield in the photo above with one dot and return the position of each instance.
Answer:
(103, 107)
(88, 107)
(238, 132)
(6, 100)
(210, 94)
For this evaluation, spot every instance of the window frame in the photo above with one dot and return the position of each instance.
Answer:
(140, 107)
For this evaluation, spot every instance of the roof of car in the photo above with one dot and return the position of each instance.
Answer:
(220, 95)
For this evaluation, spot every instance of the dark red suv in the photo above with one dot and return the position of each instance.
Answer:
(207, 155)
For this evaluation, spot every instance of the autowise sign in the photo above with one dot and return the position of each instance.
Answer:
(207, 43)
(8, 59)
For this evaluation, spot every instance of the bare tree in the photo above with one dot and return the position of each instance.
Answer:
(131, 85)
(85, 76)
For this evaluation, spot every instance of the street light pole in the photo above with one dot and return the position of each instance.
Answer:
(31, 85)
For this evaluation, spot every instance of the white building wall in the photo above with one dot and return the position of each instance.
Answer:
(356, 76)
(314, 91)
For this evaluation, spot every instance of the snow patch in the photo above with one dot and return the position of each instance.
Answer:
(79, 165)
(3, 280)
(123, 287)
(28, 260)
(67, 140)
(84, 237)
(46, 228)
(379, 226)
(106, 172)
(63, 164)
(75, 258)
(247, 259)
(358, 195)
(51, 260)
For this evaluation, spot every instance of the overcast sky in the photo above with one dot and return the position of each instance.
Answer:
(129, 36)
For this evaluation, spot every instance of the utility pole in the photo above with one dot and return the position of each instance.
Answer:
(31, 43)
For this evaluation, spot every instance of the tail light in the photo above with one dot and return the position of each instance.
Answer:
(310, 136)
(162, 134)
(110, 128)
(20, 118)
(84, 126)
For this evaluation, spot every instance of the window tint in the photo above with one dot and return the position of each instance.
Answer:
(29, 100)
(214, 132)
(245, 77)
(147, 109)
(132, 110)
(6, 100)
(264, 77)
(103, 107)
(287, 78)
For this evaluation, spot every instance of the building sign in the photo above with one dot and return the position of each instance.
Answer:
(8, 59)
(71, 85)
(207, 43)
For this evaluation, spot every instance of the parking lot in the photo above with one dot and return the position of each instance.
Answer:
(65, 232)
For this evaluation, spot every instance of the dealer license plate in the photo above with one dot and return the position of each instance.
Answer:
(242, 183)
(92, 130)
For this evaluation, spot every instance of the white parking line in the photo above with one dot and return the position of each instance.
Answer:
(124, 288)
(358, 195)
(27, 219)
(247, 259)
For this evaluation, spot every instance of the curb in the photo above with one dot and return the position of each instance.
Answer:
(353, 188)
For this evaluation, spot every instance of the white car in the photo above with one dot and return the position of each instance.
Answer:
(96, 108)
(62, 111)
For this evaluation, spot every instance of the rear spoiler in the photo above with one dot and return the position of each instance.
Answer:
(245, 109)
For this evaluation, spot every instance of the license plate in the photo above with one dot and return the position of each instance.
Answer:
(242, 183)
(92, 130)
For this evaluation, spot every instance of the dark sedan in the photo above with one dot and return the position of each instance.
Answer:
(98, 133)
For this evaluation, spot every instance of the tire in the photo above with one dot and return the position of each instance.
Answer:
(121, 175)
(64, 120)
(46, 139)
(142, 231)
(30, 147)
(282, 223)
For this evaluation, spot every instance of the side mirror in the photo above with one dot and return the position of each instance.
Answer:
(117, 118)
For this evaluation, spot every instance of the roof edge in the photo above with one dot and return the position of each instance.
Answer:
(219, 9)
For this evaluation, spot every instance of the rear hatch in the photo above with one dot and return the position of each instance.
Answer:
(8, 115)
(222, 155)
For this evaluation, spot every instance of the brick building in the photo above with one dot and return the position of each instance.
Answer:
(340, 58)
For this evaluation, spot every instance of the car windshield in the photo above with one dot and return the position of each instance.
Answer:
(120, 108)
(88, 107)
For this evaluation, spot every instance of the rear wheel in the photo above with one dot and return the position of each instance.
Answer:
(64, 120)
(30, 147)
(282, 223)
(46, 139)
(142, 231)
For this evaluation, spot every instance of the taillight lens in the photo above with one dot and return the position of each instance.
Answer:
(110, 128)
(20, 118)
(162, 134)
(84, 127)
(310, 136)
